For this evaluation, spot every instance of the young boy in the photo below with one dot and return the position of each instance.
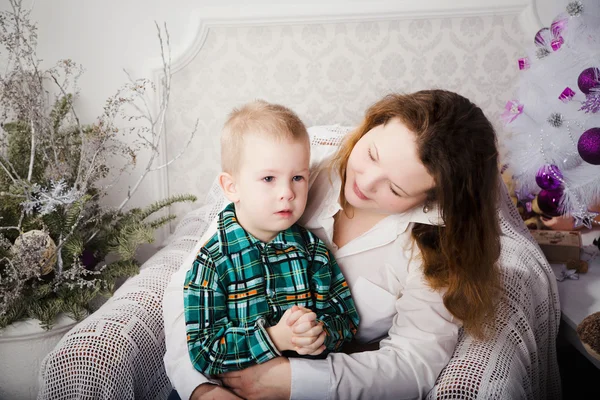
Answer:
(259, 264)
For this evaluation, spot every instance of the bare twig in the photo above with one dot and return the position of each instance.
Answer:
(59, 260)
(6, 164)
(147, 114)
(77, 124)
(182, 149)
(9, 228)
(6, 194)
(8, 172)
(164, 104)
(32, 152)
(93, 162)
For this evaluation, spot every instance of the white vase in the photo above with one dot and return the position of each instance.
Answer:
(23, 346)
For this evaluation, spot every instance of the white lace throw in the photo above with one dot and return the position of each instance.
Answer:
(117, 352)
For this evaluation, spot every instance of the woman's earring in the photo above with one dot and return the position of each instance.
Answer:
(426, 207)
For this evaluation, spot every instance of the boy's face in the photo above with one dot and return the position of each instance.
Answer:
(271, 185)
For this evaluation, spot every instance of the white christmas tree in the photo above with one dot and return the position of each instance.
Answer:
(554, 121)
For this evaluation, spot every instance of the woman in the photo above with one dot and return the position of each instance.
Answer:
(408, 206)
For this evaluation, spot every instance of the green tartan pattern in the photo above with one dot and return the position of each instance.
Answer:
(239, 285)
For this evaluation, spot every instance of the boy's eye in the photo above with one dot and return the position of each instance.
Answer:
(393, 191)
(268, 179)
(371, 155)
(297, 178)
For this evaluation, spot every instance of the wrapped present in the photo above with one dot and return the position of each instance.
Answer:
(559, 246)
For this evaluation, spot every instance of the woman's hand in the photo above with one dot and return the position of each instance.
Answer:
(208, 391)
(270, 380)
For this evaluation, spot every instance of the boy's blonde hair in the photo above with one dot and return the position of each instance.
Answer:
(257, 118)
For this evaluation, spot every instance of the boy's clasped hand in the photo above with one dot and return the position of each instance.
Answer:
(300, 331)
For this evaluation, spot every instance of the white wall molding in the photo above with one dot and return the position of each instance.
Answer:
(326, 12)
(207, 18)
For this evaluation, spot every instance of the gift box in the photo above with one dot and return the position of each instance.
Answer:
(558, 246)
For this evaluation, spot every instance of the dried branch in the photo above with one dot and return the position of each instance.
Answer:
(182, 149)
(32, 152)
(51, 169)
(77, 124)
(7, 171)
(164, 104)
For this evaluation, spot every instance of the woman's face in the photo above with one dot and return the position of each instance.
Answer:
(384, 173)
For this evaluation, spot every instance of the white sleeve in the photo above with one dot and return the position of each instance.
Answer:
(182, 374)
(419, 344)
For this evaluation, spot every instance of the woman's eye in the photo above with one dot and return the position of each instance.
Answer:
(393, 191)
(371, 155)
(298, 178)
(268, 179)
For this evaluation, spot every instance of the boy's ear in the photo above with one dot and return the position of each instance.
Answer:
(227, 183)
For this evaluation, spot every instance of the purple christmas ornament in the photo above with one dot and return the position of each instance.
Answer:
(89, 259)
(559, 24)
(524, 63)
(548, 201)
(588, 79)
(566, 95)
(588, 146)
(543, 37)
(557, 43)
(549, 177)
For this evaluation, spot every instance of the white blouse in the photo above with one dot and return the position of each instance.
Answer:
(392, 298)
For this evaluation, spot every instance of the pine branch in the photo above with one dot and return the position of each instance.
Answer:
(158, 205)
(162, 221)
(73, 247)
(116, 270)
(73, 214)
(46, 311)
(129, 239)
(14, 313)
(75, 303)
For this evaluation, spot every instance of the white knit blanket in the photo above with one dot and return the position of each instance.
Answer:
(117, 352)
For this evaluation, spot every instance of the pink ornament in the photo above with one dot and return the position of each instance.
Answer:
(549, 200)
(512, 110)
(588, 146)
(557, 43)
(559, 24)
(543, 37)
(588, 79)
(566, 95)
(549, 177)
(524, 63)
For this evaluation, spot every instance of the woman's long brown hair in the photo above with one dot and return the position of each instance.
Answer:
(457, 145)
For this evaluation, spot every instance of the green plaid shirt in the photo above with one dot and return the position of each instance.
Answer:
(239, 285)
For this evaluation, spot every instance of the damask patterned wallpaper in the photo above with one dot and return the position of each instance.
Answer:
(330, 73)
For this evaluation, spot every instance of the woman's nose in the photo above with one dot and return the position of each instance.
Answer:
(369, 181)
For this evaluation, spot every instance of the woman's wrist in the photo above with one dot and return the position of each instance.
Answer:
(202, 390)
(269, 380)
(208, 391)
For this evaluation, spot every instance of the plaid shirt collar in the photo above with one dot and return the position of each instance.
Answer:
(233, 238)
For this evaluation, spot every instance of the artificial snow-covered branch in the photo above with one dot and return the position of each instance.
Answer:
(55, 235)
